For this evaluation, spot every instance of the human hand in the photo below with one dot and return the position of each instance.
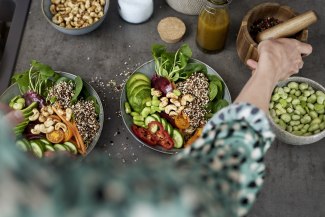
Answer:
(12, 117)
(281, 57)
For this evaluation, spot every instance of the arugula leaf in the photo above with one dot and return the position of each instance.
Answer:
(77, 90)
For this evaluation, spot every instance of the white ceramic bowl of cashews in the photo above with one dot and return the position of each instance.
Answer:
(75, 17)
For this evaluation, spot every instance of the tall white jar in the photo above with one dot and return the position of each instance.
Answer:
(135, 11)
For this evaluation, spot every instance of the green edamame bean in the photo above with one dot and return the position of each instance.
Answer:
(282, 124)
(319, 108)
(293, 85)
(138, 118)
(278, 112)
(289, 129)
(316, 131)
(303, 86)
(321, 117)
(305, 119)
(284, 96)
(308, 134)
(276, 120)
(295, 102)
(316, 121)
(297, 133)
(283, 103)
(271, 105)
(272, 113)
(289, 99)
(275, 97)
(313, 114)
(295, 117)
(313, 127)
(322, 126)
(312, 99)
(297, 112)
(300, 126)
(306, 126)
(320, 99)
(310, 106)
(297, 93)
(303, 131)
(289, 110)
(295, 128)
(292, 91)
(286, 89)
(294, 123)
(300, 109)
(319, 93)
(286, 118)
(307, 93)
(302, 98)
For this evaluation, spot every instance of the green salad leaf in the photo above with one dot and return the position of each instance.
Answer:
(171, 65)
(78, 88)
(38, 78)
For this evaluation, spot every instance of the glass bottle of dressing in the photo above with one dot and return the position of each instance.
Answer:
(213, 26)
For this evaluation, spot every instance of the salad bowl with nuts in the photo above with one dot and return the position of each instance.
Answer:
(167, 101)
(75, 17)
(61, 111)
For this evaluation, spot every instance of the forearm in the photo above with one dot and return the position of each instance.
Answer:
(258, 90)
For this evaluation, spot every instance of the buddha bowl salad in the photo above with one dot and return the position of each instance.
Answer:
(59, 113)
(171, 108)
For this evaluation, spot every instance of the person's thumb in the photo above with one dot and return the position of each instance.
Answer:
(252, 64)
(14, 117)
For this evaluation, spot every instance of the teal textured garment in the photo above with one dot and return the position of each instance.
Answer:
(219, 175)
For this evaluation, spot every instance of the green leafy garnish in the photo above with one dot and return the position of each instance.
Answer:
(77, 90)
(171, 65)
(38, 78)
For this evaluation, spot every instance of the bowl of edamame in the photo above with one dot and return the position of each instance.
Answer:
(297, 111)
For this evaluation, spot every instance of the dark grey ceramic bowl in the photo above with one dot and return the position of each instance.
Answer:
(290, 138)
(14, 91)
(80, 31)
(149, 69)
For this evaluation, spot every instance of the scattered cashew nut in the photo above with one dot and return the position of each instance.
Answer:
(35, 115)
(187, 98)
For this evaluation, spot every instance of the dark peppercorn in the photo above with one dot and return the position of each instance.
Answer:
(261, 25)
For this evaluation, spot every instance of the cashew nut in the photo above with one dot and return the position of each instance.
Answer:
(35, 132)
(49, 122)
(68, 113)
(170, 108)
(187, 98)
(42, 118)
(180, 109)
(87, 4)
(69, 18)
(171, 95)
(155, 92)
(52, 9)
(50, 110)
(164, 102)
(88, 18)
(55, 1)
(173, 113)
(44, 129)
(102, 2)
(175, 102)
(34, 116)
(61, 126)
(57, 19)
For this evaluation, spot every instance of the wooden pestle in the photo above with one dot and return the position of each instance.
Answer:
(289, 27)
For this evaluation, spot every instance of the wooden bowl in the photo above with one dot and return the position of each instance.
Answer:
(246, 45)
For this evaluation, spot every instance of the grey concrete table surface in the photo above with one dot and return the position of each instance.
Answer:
(295, 180)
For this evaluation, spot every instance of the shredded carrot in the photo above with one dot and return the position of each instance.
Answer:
(80, 143)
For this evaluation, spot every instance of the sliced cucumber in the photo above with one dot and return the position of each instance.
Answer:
(27, 144)
(60, 147)
(49, 148)
(164, 123)
(72, 148)
(45, 142)
(149, 119)
(177, 138)
(22, 145)
(170, 129)
(37, 148)
(157, 117)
